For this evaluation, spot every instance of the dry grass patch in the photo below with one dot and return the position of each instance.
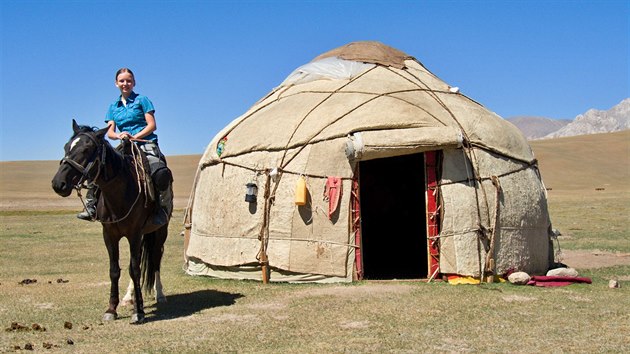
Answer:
(206, 315)
(584, 163)
(599, 222)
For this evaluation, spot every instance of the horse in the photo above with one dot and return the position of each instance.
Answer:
(124, 209)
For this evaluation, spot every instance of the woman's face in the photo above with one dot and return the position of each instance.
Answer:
(125, 82)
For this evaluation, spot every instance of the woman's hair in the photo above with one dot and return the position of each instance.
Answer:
(124, 70)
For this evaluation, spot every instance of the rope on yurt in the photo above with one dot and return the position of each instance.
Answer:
(500, 153)
(312, 138)
(301, 146)
(331, 94)
(452, 234)
(523, 168)
(468, 150)
(290, 172)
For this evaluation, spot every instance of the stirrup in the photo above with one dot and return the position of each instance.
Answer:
(87, 214)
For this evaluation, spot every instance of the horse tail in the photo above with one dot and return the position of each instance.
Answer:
(148, 265)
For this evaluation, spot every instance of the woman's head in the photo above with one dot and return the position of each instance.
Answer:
(124, 70)
(125, 81)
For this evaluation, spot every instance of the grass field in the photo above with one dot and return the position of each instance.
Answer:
(67, 259)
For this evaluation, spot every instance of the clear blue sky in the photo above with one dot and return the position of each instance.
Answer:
(203, 63)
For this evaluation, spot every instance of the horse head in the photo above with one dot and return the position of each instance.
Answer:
(82, 160)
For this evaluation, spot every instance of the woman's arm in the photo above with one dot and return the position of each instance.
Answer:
(150, 128)
(111, 133)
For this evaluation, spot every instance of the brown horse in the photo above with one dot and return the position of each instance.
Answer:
(124, 209)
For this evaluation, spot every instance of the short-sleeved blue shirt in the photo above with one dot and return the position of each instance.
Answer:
(131, 118)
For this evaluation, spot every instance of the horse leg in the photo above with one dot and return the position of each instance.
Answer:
(135, 253)
(114, 276)
(156, 257)
(128, 298)
(159, 291)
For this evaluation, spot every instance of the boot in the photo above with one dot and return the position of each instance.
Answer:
(163, 214)
(89, 214)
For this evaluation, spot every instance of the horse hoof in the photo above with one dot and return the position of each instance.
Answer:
(109, 317)
(161, 299)
(137, 319)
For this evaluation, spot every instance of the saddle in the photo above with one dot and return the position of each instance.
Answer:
(139, 159)
(155, 177)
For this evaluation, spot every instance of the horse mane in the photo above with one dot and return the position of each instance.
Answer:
(84, 129)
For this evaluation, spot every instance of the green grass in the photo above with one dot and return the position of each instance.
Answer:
(593, 221)
(209, 315)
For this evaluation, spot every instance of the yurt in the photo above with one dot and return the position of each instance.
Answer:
(362, 164)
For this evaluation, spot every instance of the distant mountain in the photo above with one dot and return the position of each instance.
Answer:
(592, 122)
(596, 121)
(537, 127)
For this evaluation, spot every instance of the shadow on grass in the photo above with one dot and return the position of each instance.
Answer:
(182, 305)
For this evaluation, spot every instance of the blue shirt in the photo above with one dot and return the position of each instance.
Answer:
(131, 118)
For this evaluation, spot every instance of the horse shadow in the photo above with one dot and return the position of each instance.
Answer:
(182, 305)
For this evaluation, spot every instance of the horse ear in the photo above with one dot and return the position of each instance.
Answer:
(75, 126)
(101, 132)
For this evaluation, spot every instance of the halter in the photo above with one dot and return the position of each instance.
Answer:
(97, 159)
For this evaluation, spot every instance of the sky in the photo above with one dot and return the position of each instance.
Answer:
(204, 63)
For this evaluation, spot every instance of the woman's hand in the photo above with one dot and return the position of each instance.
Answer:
(124, 135)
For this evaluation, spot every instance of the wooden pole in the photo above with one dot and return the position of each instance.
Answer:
(264, 261)
(263, 236)
(490, 262)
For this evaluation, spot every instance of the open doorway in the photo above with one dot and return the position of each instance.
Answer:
(393, 218)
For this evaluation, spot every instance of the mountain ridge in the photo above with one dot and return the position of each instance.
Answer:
(593, 121)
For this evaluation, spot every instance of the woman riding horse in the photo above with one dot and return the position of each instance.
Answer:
(124, 209)
(134, 116)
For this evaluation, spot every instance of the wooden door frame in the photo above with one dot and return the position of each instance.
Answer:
(431, 166)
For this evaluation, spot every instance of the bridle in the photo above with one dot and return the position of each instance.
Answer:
(96, 160)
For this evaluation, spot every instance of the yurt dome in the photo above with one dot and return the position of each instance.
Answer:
(362, 164)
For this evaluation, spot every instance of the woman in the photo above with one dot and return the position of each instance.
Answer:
(134, 116)
(131, 113)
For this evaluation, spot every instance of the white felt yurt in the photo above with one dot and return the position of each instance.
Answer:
(403, 177)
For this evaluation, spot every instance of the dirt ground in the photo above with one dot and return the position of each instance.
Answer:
(590, 259)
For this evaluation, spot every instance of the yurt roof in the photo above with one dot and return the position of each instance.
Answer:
(365, 87)
(369, 52)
